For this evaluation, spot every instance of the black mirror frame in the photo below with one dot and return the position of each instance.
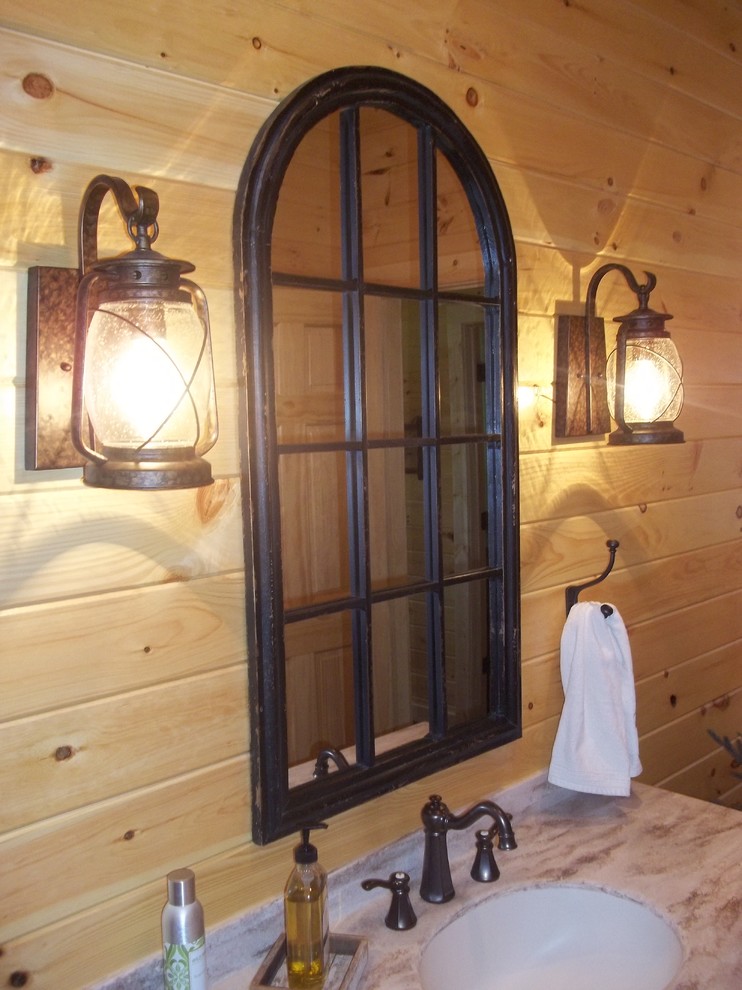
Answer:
(276, 809)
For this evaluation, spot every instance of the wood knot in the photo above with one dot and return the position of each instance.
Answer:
(18, 979)
(211, 499)
(38, 86)
(63, 753)
(472, 96)
(176, 574)
(40, 165)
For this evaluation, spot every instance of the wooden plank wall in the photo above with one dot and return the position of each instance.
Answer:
(614, 130)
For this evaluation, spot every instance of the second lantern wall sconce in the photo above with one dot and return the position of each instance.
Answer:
(640, 384)
(135, 336)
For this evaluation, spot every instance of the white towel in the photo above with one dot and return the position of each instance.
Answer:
(596, 747)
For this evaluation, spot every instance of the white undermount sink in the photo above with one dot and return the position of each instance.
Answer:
(560, 937)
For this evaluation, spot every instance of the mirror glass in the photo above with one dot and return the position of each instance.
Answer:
(377, 294)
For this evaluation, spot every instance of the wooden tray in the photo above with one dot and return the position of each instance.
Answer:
(348, 957)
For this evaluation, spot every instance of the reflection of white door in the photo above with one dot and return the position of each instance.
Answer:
(309, 403)
(314, 535)
(319, 686)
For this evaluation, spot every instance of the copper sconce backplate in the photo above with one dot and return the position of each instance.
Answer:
(571, 418)
(52, 298)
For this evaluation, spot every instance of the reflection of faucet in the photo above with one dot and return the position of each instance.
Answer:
(322, 766)
(436, 885)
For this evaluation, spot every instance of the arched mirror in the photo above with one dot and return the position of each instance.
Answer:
(376, 315)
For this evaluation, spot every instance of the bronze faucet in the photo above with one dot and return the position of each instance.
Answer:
(322, 765)
(436, 885)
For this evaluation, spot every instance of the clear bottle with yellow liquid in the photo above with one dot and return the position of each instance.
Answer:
(306, 917)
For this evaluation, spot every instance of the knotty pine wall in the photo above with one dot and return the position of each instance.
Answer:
(614, 130)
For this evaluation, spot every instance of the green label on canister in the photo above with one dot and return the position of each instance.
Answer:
(185, 965)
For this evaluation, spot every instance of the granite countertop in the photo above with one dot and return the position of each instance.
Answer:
(677, 854)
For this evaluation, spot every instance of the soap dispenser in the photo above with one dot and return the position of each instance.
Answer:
(306, 917)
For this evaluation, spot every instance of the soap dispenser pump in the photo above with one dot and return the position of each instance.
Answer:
(306, 917)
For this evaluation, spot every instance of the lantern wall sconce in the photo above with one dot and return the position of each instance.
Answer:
(119, 365)
(640, 384)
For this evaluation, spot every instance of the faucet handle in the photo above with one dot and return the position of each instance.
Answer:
(401, 915)
(484, 869)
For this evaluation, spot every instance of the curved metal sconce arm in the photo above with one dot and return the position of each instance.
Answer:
(641, 290)
(140, 214)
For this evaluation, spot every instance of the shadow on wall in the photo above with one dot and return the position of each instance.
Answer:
(572, 547)
(579, 142)
(61, 544)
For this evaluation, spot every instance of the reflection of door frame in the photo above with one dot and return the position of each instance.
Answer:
(384, 365)
(467, 686)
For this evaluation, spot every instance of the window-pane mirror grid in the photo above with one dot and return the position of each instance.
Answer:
(382, 324)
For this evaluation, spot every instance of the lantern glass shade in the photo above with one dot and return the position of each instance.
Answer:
(653, 385)
(148, 381)
(641, 383)
(143, 394)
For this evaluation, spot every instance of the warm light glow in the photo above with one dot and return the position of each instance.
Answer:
(145, 375)
(653, 389)
(143, 386)
(527, 395)
(646, 392)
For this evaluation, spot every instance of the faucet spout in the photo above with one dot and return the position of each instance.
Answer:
(436, 885)
(505, 836)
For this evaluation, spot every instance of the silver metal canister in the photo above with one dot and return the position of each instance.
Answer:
(183, 934)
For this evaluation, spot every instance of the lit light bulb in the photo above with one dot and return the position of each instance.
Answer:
(527, 395)
(653, 390)
(646, 392)
(143, 388)
(142, 375)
